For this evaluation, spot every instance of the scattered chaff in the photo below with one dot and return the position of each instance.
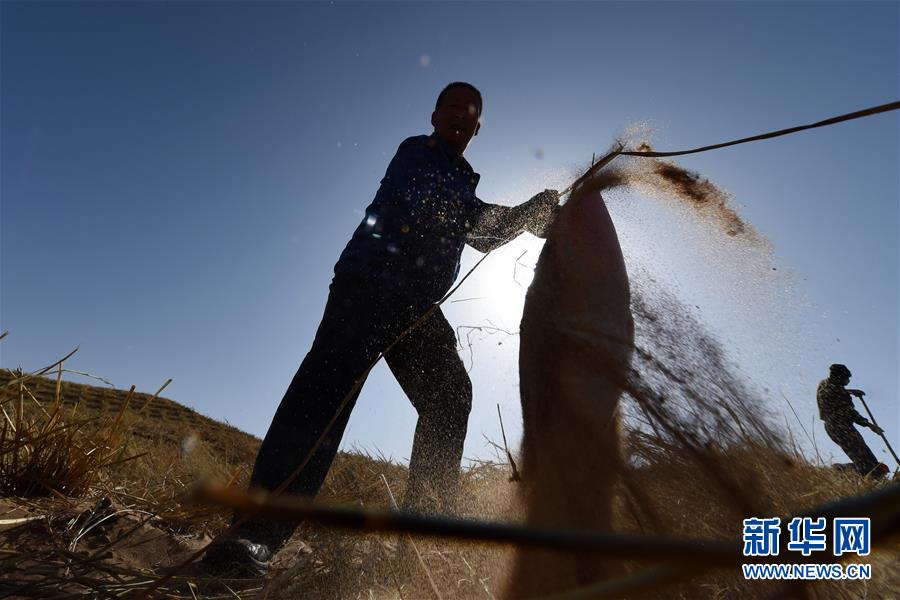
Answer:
(488, 328)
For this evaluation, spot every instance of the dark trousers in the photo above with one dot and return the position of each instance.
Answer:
(854, 446)
(360, 321)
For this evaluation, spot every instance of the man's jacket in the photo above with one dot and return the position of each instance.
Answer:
(414, 230)
(836, 406)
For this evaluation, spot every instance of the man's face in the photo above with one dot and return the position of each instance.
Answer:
(456, 119)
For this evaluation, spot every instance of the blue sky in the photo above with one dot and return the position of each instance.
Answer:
(177, 180)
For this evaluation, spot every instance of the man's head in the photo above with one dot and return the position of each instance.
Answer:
(456, 114)
(839, 373)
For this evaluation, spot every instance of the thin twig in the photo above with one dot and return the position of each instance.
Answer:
(800, 423)
(512, 463)
(19, 520)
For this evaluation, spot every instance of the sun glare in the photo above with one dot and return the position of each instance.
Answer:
(505, 278)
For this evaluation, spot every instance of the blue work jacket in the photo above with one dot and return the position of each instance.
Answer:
(412, 235)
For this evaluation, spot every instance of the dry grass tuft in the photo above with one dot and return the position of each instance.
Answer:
(46, 451)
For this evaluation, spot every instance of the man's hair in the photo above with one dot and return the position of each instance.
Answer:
(838, 370)
(457, 84)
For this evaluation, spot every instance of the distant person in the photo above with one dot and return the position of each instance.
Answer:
(402, 258)
(839, 416)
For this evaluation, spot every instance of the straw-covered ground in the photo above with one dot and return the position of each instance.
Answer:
(95, 488)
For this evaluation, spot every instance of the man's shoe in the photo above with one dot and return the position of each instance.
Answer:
(238, 558)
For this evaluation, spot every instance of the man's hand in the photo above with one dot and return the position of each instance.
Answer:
(541, 212)
(548, 197)
(497, 224)
(878, 430)
(857, 393)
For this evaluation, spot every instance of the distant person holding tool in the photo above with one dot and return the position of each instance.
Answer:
(839, 416)
(403, 257)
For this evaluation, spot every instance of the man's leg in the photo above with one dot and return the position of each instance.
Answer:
(428, 368)
(854, 446)
(348, 340)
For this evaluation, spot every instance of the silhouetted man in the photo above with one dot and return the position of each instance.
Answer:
(403, 257)
(839, 416)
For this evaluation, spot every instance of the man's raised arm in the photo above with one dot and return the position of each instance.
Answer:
(497, 224)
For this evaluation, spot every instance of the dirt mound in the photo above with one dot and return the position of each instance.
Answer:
(159, 420)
